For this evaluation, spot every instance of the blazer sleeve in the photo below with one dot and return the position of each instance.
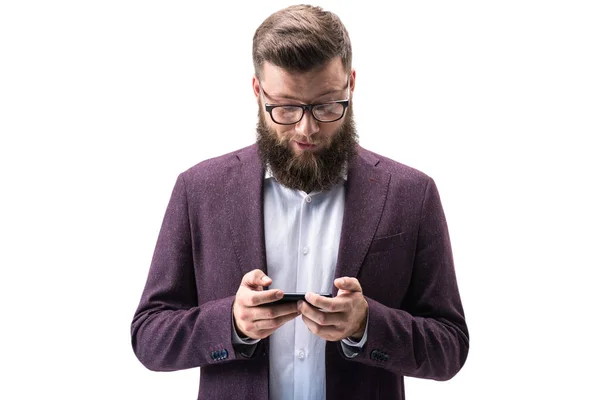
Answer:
(427, 337)
(170, 330)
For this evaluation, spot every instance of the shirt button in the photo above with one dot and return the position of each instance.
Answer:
(301, 354)
(308, 199)
(305, 250)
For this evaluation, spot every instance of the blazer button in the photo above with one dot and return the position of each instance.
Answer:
(379, 356)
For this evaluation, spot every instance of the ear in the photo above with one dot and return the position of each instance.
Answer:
(352, 80)
(255, 86)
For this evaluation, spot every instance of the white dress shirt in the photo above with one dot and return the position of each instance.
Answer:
(302, 237)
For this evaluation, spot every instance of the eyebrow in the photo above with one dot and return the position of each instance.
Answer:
(295, 99)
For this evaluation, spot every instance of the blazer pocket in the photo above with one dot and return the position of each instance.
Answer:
(387, 243)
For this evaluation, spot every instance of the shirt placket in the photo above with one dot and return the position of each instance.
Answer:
(302, 340)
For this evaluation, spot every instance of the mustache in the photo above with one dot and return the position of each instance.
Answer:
(285, 140)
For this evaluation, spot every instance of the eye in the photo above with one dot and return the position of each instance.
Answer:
(329, 111)
(288, 110)
(286, 114)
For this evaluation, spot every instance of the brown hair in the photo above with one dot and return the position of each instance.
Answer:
(300, 38)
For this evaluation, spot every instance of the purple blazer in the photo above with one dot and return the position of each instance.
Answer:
(394, 241)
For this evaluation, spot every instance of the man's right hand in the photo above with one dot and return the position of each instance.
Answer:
(252, 315)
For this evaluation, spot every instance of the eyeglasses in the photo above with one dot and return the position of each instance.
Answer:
(289, 114)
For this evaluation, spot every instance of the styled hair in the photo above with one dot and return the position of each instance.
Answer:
(300, 38)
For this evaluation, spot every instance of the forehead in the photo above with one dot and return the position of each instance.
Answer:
(279, 82)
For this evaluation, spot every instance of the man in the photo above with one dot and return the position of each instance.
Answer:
(305, 209)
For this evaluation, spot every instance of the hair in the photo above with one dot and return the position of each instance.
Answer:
(300, 38)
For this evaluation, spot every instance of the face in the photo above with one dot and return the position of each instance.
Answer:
(308, 155)
(321, 85)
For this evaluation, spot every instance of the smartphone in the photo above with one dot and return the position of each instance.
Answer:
(289, 297)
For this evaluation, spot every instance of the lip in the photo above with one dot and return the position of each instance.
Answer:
(305, 146)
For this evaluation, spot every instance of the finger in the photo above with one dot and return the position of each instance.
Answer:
(271, 324)
(267, 311)
(263, 328)
(252, 298)
(246, 317)
(348, 284)
(256, 279)
(329, 304)
(330, 333)
(319, 317)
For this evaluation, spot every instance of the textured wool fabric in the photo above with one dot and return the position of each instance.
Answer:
(394, 240)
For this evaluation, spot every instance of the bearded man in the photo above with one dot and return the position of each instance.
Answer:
(306, 210)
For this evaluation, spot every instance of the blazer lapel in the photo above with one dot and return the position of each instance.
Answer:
(366, 191)
(244, 182)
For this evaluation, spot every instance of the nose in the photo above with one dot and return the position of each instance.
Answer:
(308, 125)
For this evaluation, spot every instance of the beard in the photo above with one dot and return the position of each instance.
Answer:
(308, 171)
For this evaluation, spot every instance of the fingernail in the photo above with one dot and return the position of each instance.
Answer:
(264, 279)
(279, 295)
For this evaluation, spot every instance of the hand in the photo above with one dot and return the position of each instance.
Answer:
(251, 314)
(336, 318)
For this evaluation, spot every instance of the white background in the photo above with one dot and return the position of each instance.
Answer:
(103, 103)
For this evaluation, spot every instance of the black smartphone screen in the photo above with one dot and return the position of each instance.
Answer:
(293, 297)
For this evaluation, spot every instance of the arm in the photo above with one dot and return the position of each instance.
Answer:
(170, 330)
(427, 337)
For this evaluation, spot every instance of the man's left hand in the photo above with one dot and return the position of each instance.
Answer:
(336, 318)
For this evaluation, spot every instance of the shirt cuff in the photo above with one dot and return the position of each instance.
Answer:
(351, 347)
(236, 339)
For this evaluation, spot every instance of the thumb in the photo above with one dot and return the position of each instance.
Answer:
(256, 278)
(348, 284)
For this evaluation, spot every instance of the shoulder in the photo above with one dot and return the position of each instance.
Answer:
(399, 173)
(406, 184)
(214, 168)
